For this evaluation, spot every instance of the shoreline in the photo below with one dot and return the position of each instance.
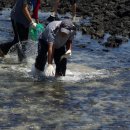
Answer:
(111, 17)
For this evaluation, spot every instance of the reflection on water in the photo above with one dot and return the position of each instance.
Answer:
(94, 95)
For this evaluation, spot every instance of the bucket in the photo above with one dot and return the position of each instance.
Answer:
(34, 33)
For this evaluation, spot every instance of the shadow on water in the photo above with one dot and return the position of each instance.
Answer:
(94, 95)
(100, 104)
(93, 105)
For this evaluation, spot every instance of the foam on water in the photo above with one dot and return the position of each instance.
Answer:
(80, 76)
(75, 72)
(88, 97)
(71, 75)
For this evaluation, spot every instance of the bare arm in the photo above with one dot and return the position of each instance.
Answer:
(50, 69)
(55, 7)
(27, 14)
(50, 53)
(69, 45)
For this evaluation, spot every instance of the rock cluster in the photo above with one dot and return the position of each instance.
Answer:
(106, 16)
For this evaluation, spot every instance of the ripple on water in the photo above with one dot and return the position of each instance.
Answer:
(93, 96)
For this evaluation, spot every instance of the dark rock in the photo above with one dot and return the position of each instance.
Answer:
(81, 46)
(105, 50)
(107, 16)
(114, 41)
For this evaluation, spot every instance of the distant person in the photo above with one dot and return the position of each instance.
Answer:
(22, 17)
(54, 16)
(54, 43)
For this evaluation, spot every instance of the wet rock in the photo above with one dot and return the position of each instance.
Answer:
(114, 41)
(95, 32)
(7, 3)
(113, 16)
(105, 50)
(81, 46)
(100, 33)
(88, 30)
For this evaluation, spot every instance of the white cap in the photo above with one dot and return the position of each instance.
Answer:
(64, 30)
(66, 26)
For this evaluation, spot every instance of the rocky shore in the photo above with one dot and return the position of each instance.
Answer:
(106, 16)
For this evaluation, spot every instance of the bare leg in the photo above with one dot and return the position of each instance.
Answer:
(54, 16)
(55, 7)
(74, 11)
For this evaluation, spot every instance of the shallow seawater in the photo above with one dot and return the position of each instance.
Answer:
(94, 95)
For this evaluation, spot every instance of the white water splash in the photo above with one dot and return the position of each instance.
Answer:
(80, 76)
(71, 76)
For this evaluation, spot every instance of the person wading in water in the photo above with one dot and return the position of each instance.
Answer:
(23, 15)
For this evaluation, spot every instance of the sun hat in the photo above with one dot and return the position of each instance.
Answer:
(67, 26)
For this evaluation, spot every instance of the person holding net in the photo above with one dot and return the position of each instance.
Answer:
(23, 15)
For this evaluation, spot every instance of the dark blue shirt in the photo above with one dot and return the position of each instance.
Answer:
(17, 11)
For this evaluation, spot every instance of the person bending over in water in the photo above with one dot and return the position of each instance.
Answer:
(54, 43)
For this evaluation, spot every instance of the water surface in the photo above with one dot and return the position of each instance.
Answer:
(94, 95)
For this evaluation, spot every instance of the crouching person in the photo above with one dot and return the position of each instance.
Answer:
(54, 43)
